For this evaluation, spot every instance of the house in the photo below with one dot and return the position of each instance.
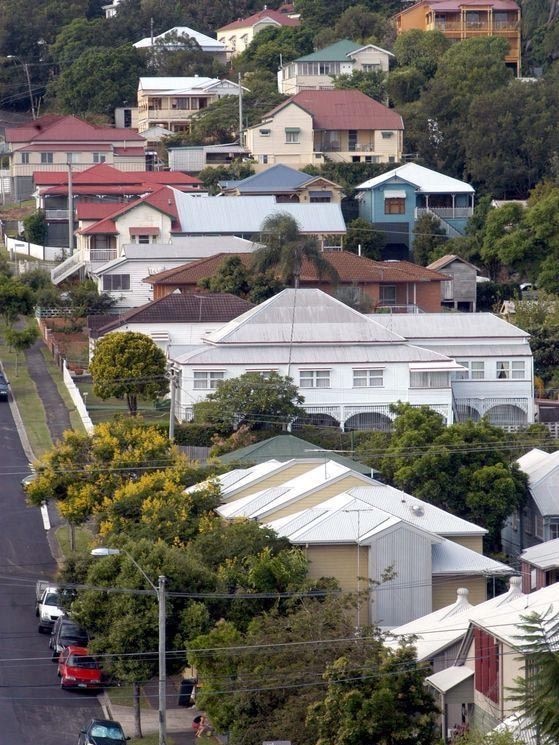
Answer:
(170, 102)
(194, 158)
(316, 71)
(459, 292)
(285, 447)
(539, 520)
(174, 38)
(496, 375)
(393, 202)
(349, 368)
(123, 276)
(100, 184)
(354, 533)
(236, 36)
(467, 19)
(397, 286)
(111, 9)
(54, 142)
(539, 565)
(316, 126)
(492, 656)
(175, 319)
(286, 185)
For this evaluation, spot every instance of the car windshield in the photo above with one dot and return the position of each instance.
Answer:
(73, 639)
(53, 598)
(109, 731)
(84, 661)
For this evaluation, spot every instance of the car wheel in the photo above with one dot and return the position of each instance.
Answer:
(55, 656)
(40, 629)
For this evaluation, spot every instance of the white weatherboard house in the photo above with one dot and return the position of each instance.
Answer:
(349, 368)
(496, 378)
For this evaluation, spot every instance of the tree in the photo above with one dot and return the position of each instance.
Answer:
(285, 249)
(273, 44)
(180, 55)
(361, 234)
(16, 299)
(372, 84)
(252, 399)
(128, 365)
(359, 23)
(21, 339)
(35, 227)
(428, 236)
(234, 277)
(404, 85)
(98, 81)
(421, 50)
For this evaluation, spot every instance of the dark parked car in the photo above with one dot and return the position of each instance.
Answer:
(102, 732)
(66, 633)
(4, 388)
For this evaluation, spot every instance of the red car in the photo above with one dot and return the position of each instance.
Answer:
(78, 669)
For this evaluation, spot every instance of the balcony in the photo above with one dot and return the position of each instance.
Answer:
(102, 255)
(445, 213)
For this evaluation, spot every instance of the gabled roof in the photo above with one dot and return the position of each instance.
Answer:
(104, 175)
(424, 179)
(70, 130)
(452, 558)
(338, 52)
(544, 555)
(452, 326)
(276, 178)
(206, 43)
(162, 199)
(183, 308)
(181, 85)
(341, 110)
(449, 259)
(542, 470)
(263, 16)
(286, 447)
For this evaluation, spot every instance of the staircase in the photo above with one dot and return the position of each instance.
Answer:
(69, 266)
(449, 229)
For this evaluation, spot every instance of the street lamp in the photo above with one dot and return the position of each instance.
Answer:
(159, 590)
(28, 78)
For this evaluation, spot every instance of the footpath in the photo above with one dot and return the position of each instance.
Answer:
(179, 718)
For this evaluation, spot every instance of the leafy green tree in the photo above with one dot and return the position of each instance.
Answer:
(361, 233)
(274, 43)
(234, 277)
(500, 245)
(428, 236)
(180, 55)
(253, 400)
(16, 299)
(78, 35)
(99, 80)
(21, 339)
(285, 249)
(128, 365)
(35, 227)
(404, 85)
(372, 84)
(421, 50)
(359, 23)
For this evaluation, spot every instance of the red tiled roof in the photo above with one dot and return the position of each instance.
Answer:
(69, 129)
(94, 210)
(343, 109)
(281, 18)
(163, 199)
(55, 147)
(183, 308)
(103, 227)
(351, 269)
(104, 174)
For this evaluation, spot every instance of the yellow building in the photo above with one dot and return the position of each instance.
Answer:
(467, 19)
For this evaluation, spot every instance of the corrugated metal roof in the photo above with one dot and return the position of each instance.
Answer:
(247, 506)
(544, 555)
(447, 679)
(542, 470)
(207, 43)
(278, 176)
(424, 179)
(414, 510)
(246, 214)
(266, 15)
(239, 477)
(336, 52)
(492, 349)
(449, 326)
(452, 558)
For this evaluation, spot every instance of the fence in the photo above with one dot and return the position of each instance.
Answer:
(45, 253)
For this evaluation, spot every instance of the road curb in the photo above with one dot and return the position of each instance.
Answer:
(18, 421)
(105, 703)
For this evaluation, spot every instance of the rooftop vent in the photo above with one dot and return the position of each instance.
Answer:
(417, 509)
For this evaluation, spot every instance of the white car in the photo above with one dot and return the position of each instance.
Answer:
(48, 609)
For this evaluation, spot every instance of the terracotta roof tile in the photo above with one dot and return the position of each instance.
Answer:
(162, 199)
(281, 18)
(343, 109)
(69, 129)
(94, 210)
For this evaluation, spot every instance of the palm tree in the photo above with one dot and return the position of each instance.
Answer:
(285, 248)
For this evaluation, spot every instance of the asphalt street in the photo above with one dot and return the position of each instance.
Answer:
(33, 709)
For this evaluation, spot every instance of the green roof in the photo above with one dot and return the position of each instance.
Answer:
(334, 53)
(287, 447)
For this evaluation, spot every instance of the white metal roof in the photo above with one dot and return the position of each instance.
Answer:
(451, 326)
(206, 43)
(447, 679)
(452, 558)
(246, 214)
(426, 180)
(544, 555)
(414, 510)
(178, 85)
(239, 477)
(542, 470)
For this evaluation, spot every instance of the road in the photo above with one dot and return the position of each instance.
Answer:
(33, 709)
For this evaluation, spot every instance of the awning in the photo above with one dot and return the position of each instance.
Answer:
(146, 230)
(394, 194)
(320, 194)
(449, 678)
(435, 366)
(293, 129)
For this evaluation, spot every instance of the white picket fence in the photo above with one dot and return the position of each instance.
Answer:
(75, 395)
(44, 253)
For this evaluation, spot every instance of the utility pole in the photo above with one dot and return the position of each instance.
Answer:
(162, 662)
(70, 207)
(240, 111)
(171, 375)
(25, 66)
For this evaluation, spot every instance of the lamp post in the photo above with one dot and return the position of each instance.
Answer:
(25, 66)
(159, 590)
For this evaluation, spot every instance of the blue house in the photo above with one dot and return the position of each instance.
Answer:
(394, 201)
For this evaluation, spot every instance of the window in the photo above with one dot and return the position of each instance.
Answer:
(264, 132)
(46, 158)
(446, 289)
(387, 294)
(394, 205)
(292, 135)
(180, 103)
(72, 157)
(207, 379)
(486, 664)
(373, 378)
(116, 282)
(263, 159)
(25, 158)
(143, 238)
(428, 379)
(314, 378)
(387, 135)
(155, 103)
(533, 579)
(99, 157)
(538, 526)
(515, 370)
(265, 374)
(372, 67)
(475, 370)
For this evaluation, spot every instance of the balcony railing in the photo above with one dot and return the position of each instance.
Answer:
(56, 214)
(102, 255)
(445, 213)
